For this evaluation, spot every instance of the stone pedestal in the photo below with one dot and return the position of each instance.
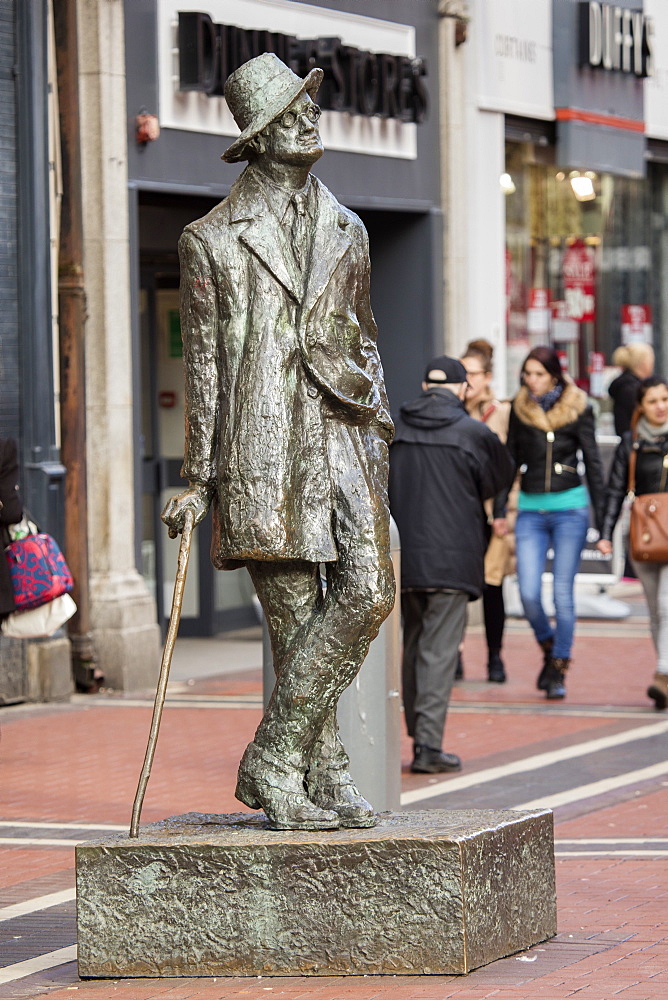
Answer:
(435, 892)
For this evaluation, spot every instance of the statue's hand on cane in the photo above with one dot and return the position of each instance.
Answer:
(181, 514)
(196, 498)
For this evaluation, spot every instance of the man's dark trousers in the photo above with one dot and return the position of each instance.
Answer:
(434, 623)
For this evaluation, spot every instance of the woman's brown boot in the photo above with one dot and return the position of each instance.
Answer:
(658, 690)
(546, 645)
(556, 678)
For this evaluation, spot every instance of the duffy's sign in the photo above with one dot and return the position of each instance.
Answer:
(615, 38)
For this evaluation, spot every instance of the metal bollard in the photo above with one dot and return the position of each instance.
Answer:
(369, 711)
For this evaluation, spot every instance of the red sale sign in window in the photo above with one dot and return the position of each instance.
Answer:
(538, 313)
(539, 298)
(596, 361)
(564, 329)
(596, 367)
(579, 288)
(636, 324)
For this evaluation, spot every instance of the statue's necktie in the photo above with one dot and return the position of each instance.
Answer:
(298, 228)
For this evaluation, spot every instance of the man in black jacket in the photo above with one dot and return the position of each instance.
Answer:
(443, 465)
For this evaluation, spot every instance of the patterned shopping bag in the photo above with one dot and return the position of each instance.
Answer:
(38, 570)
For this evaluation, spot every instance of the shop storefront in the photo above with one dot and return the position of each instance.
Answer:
(585, 232)
(582, 90)
(28, 329)
(583, 270)
(380, 131)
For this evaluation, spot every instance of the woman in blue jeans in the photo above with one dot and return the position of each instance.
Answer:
(551, 430)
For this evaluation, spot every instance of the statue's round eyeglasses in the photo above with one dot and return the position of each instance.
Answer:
(290, 118)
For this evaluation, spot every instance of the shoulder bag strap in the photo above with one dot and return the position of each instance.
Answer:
(632, 469)
(492, 408)
(631, 488)
(664, 473)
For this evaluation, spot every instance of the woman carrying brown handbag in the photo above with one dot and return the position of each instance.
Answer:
(648, 439)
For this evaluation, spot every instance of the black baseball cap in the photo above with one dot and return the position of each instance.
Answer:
(443, 370)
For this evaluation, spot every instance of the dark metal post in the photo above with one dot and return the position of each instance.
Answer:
(42, 482)
(72, 316)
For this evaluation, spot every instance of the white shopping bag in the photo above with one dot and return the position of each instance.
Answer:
(38, 623)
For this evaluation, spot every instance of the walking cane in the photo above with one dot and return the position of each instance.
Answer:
(174, 619)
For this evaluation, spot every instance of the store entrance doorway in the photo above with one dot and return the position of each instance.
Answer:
(403, 247)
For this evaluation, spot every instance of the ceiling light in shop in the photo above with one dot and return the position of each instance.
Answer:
(583, 185)
(507, 184)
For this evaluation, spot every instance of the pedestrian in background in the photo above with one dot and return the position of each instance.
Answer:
(637, 363)
(11, 511)
(443, 466)
(482, 405)
(550, 422)
(649, 438)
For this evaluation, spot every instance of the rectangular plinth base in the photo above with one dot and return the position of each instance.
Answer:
(434, 892)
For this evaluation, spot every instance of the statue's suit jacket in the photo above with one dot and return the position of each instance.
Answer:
(279, 364)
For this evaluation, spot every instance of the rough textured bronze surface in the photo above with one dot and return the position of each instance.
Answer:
(287, 432)
(434, 892)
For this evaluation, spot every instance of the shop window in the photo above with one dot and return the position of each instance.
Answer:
(581, 264)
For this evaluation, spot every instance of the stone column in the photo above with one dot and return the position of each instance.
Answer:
(454, 175)
(472, 161)
(123, 614)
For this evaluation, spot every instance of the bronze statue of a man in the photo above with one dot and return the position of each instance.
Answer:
(287, 428)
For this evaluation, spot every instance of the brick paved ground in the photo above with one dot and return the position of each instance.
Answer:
(80, 763)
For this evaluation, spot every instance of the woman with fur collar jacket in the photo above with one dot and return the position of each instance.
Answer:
(551, 424)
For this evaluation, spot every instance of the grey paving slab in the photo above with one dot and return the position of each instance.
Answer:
(37, 933)
(504, 792)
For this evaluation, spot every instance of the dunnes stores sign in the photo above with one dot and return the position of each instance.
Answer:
(355, 80)
(614, 38)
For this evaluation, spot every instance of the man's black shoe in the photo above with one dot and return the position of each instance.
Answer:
(428, 761)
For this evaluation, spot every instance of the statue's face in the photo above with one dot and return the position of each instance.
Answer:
(294, 137)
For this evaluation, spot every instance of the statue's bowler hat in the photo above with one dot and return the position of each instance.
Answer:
(259, 91)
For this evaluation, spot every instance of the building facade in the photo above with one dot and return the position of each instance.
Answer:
(29, 378)
(556, 184)
(130, 93)
(65, 341)
(380, 128)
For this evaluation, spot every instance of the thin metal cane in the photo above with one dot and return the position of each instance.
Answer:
(174, 619)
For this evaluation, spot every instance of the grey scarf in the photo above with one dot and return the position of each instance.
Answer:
(649, 432)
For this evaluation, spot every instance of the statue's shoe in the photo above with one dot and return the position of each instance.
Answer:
(334, 789)
(266, 782)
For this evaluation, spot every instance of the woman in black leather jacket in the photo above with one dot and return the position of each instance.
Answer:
(649, 438)
(551, 425)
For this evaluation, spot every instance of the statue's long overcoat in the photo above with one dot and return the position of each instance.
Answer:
(278, 363)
